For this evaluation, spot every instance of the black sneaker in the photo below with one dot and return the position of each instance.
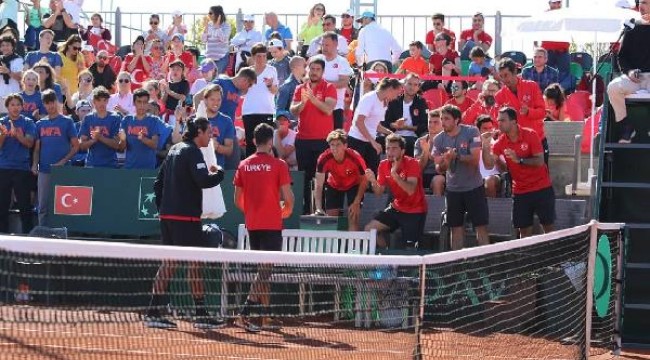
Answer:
(158, 322)
(247, 324)
(627, 135)
(209, 323)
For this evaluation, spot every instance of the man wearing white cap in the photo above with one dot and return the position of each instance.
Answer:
(248, 36)
(348, 31)
(376, 43)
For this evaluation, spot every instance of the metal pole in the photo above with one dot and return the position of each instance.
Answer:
(497, 33)
(118, 27)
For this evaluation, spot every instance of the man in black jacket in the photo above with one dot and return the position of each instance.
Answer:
(179, 198)
(409, 124)
(634, 61)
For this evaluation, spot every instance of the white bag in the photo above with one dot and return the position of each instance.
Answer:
(213, 204)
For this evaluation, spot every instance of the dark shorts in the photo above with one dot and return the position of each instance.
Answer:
(182, 233)
(472, 202)
(334, 198)
(427, 178)
(540, 202)
(412, 224)
(266, 240)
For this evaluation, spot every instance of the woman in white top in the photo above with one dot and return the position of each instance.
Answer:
(259, 104)
(370, 111)
(216, 37)
(122, 101)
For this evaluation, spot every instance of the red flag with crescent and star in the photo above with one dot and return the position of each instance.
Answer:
(73, 200)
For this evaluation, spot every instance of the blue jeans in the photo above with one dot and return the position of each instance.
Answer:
(222, 63)
(31, 37)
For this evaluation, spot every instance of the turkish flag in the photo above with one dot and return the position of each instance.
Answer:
(73, 200)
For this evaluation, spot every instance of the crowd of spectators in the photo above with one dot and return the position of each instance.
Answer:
(71, 100)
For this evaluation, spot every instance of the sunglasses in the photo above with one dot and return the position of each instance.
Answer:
(124, 81)
(78, 48)
(153, 23)
(319, 9)
(87, 80)
(102, 57)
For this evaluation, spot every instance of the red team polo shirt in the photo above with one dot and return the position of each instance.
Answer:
(313, 123)
(528, 92)
(525, 179)
(464, 106)
(484, 37)
(343, 175)
(261, 176)
(402, 201)
(477, 109)
(436, 60)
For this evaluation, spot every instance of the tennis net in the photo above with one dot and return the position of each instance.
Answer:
(66, 299)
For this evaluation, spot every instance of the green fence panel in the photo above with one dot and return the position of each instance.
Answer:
(122, 202)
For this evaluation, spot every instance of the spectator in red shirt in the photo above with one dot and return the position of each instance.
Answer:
(459, 95)
(313, 104)
(137, 60)
(525, 97)
(345, 170)
(438, 28)
(408, 210)
(476, 36)
(261, 181)
(524, 158)
(444, 61)
(348, 31)
(484, 105)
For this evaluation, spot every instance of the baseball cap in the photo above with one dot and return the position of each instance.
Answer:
(179, 36)
(83, 104)
(177, 62)
(366, 14)
(554, 1)
(207, 65)
(348, 12)
(249, 18)
(282, 113)
(177, 13)
(276, 43)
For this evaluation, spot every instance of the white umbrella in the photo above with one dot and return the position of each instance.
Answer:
(580, 24)
(577, 23)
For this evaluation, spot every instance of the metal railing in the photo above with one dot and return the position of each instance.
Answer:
(126, 26)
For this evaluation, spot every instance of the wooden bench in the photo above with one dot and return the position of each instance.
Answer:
(315, 241)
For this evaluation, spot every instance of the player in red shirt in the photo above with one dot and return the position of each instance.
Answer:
(313, 104)
(525, 97)
(345, 170)
(261, 181)
(522, 151)
(408, 210)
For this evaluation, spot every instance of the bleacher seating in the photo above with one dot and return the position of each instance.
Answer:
(517, 56)
(585, 60)
(561, 136)
(435, 98)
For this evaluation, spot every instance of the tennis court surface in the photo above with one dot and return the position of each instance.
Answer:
(528, 299)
